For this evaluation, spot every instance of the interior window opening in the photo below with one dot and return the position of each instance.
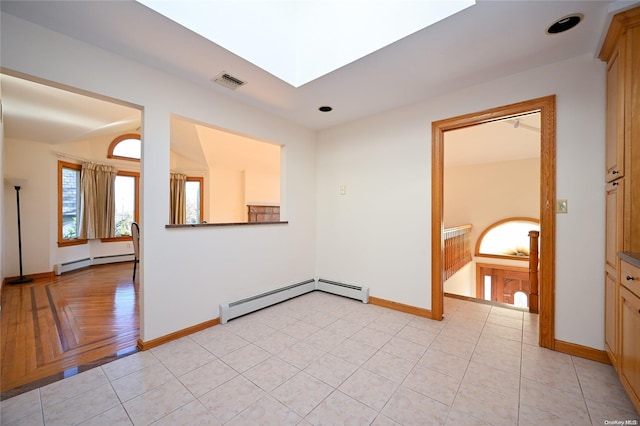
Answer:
(241, 180)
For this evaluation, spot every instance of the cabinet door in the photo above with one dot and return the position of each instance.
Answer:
(615, 119)
(614, 202)
(611, 299)
(629, 343)
(631, 58)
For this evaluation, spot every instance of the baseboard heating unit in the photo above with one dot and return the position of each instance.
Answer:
(62, 268)
(346, 290)
(229, 311)
(103, 260)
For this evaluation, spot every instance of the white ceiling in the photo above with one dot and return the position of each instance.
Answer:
(301, 40)
(515, 138)
(486, 41)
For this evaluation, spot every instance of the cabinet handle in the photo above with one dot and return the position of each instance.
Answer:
(615, 172)
(615, 183)
(630, 278)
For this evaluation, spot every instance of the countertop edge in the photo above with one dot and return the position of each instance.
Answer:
(630, 257)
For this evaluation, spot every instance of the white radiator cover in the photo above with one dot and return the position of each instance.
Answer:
(342, 289)
(61, 268)
(102, 260)
(229, 311)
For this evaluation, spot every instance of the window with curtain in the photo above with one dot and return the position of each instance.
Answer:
(97, 201)
(85, 201)
(126, 202)
(177, 198)
(69, 204)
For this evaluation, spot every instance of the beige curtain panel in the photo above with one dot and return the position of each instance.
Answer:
(97, 201)
(178, 198)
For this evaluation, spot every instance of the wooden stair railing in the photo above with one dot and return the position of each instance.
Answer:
(457, 249)
(533, 271)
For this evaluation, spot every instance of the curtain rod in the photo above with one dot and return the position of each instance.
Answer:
(190, 172)
(74, 157)
(100, 163)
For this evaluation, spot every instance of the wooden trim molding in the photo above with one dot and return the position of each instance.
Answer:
(37, 276)
(582, 351)
(143, 346)
(618, 24)
(547, 108)
(413, 310)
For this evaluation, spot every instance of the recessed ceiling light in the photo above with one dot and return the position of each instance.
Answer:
(325, 108)
(565, 24)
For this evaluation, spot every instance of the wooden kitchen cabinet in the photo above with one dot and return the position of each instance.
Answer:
(615, 119)
(621, 52)
(629, 359)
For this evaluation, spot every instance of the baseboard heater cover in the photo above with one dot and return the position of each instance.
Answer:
(64, 267)
(342, 289)
(103, 260)
(229, 311)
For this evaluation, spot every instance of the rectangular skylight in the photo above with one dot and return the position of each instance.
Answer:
(301, 40)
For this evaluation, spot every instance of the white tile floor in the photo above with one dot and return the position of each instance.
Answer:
(325, 360)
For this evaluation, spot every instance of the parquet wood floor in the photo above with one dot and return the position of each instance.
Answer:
(55, 324)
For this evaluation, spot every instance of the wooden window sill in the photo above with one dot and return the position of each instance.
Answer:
(207, 225)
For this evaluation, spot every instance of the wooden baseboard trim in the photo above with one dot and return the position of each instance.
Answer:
(34, 276)
(413, 310)
(582, 351)
(143, 346)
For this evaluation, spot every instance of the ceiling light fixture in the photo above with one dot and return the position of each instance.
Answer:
(325, 108)
(565, 23)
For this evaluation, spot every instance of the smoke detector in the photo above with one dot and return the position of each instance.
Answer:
(227, 80)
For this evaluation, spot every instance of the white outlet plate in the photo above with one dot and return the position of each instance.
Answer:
(343, 189)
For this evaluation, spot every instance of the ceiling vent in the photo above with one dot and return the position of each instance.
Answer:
(228, 81)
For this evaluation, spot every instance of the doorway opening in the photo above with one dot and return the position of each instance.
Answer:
(52, 132)
(546, 108)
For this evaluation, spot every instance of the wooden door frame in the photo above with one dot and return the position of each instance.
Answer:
(547, 108)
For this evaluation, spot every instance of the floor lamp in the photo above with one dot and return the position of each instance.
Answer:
(17, 183)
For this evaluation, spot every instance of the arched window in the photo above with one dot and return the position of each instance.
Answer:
(126, 147)
(507, 238)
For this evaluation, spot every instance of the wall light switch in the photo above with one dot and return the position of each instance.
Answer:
(343, 189)
(562, 206)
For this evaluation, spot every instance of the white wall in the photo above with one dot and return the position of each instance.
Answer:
(482, 194)
(187, 272)
(226, 197)
(31, 161)
(262, 188)
(2, 197)
(378, 234)
(463, 282)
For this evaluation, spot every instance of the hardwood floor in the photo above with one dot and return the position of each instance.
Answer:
(56, 326)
